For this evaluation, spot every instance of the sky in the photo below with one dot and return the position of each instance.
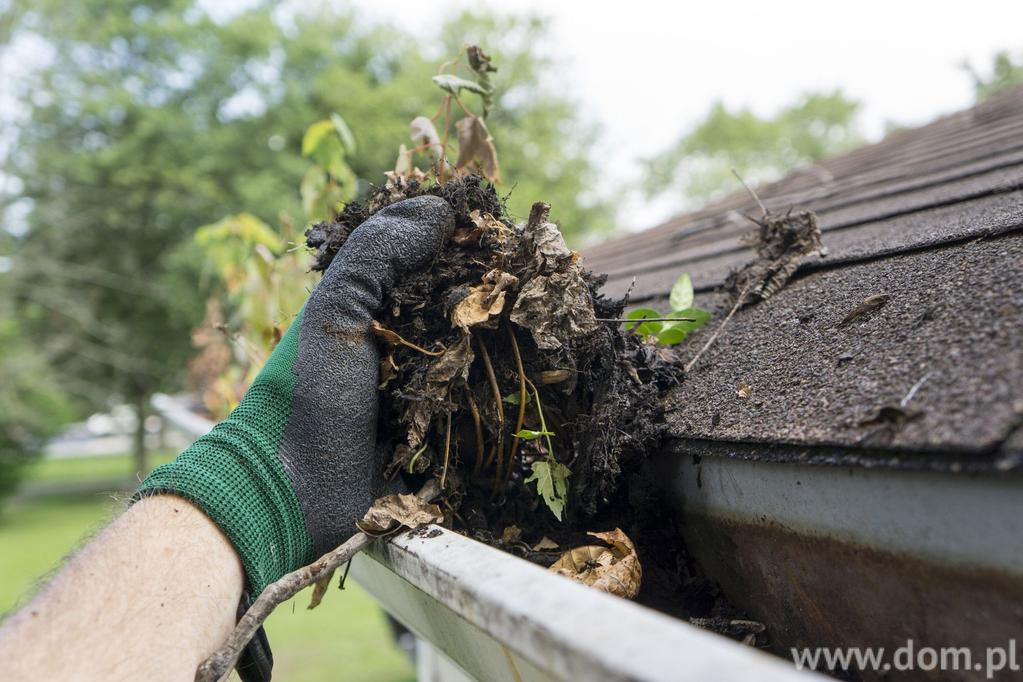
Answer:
(901, 58)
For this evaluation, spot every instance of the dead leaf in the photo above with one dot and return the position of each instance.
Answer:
(403, 165)
(545, 544)
(781, 242)
(484, 301)
(744, 391)
(554, 376)
(474, 310)
(556, 309)
(391, 512)
(616, 570)
(476, 147)
(453, 364)
(388, 370)
(511, 534)
(319, 590)
(423, 133)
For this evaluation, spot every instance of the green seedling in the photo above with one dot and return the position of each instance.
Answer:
(670, 329)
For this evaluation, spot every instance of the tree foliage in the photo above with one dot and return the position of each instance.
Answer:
(144, 120)
(1006, 72)
(759, 148)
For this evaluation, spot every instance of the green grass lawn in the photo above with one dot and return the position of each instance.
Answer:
(346, 638)
(73, 470)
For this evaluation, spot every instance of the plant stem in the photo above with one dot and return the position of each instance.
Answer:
(447, 451)
(415, 457)
(492, 378)
(522, 402)
(474, 410)
(543, 422)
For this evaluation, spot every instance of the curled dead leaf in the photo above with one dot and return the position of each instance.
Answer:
(615, 570)
(476, 148)
(424, 134)
(484, 301)
(391, 512)
(319, 590)
(545, 544)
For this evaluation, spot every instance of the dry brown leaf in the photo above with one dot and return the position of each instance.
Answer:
(554, 376)
(744, 391)
(478, 307)
(391, 512)
(388, 370)
(319, 590)
(615, 570)
(556, 309)
(475, 146)
(544, 544)
(484, 301)
(423, 133)
(511, 534)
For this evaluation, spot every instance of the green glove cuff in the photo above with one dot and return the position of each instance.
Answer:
(233, 473)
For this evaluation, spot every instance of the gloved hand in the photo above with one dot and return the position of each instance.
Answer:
(293, 467)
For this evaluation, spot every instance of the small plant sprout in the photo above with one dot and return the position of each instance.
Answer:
(550, 475)
(669, 329)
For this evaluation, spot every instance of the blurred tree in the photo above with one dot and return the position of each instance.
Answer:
(1005, 73)
(759, 148)
(143, 120)
(31, 405)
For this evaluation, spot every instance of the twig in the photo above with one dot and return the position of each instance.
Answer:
(475, 411)
(641, 320)
(223, 659)
(522, 402)
(717, 332)
(912, 391)
(276, 593)
(752, 193)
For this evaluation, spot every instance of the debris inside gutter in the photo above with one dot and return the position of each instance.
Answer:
(501, 380)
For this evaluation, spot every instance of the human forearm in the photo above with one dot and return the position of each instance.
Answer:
(149, 598)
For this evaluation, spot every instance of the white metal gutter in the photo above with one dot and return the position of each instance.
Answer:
(501, 618)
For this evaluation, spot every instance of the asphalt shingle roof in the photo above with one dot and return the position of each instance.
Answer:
(932, 218)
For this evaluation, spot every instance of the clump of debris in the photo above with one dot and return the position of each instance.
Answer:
(498, 376)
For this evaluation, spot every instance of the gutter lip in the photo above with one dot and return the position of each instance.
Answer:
(567, 630)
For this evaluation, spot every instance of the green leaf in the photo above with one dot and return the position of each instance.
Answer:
(681, 296)
(527, 434)
(671, 336)
(696, 318)
(646, 328)
(453, 84)
(515, 398)
(551, 479)
(344, 132)
(314, 135)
